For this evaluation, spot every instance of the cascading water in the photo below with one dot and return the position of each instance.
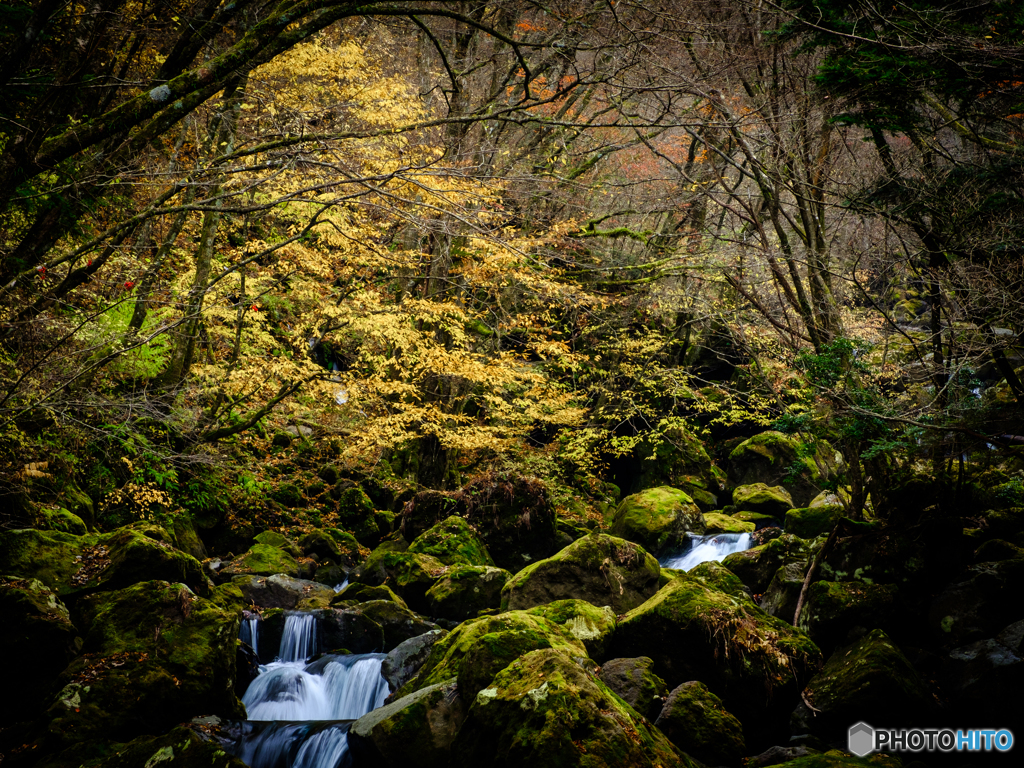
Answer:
(299, 712)
(715, 546)
(249, 633)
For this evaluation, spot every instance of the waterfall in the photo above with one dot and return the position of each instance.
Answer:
(249, 633)
(299, 641)
(715, 546)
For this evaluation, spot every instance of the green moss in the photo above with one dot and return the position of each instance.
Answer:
(262, 560)
(716, 522)
(452, 541)
(762, 498)
(409, 574)
(466, 590)
(657, 519)
(362, 593)
(716, 576)
(582, 621)
(60, 520)
(696, 721)
(834, 608)
(757, 566)
(812, 521)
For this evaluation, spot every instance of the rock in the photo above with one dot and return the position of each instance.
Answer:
(155, 655)
(834, 610)
(453, 542)
(71, 564)
(182, 747)
(675, 457)
(695, 720)
(583, 621)
(980, 678)
(60, 519)
(398, 623)
(657, 519)
(716, 522)
(811, 522)
(633, 681)
(409, 574)
(427, 508)
(37, 627)
(870, 680)
(978, 604)
(754, 661)
(280, 541)
(600, 569)
(282, 591)
(478, 649)
(351, 630)
(407, 657)
(321, 546)
(1006, 523)
(775, 459)
(271, 554)
(777, 755)
(763, 499)
(361, 593)
(178, 531)
(716, 576)
(760, 521)
(994, 550)
(783, 592)
(466, 590)
(757, 567)
(417, 729)
(357, 514)
(521, 719)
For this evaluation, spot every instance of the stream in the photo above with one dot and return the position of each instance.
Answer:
(714, 546)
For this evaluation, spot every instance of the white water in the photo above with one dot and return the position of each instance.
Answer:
(715, 546)
(299, 641)
(249, 633)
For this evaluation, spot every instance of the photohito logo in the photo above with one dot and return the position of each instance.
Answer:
(862, 739)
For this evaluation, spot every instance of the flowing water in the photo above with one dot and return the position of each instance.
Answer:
(715, 546)
(300, 711)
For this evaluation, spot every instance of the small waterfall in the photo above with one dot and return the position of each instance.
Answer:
(715, 546)
(249, 633)
(299, 641)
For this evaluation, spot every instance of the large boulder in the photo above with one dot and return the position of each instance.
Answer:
(717, 522)
(836, 609)
(37, 628)
(182, 747)
(598, 568)
(403, 661)
(155, 655)
(634, 681)
(357, 513)
(478, 649)
(810, 522)
(72, 565)
(408, 574)
(397, 622)
(271, 553)
(545, 709)
(353, 594)
(676, 457)
(695, 720)
(783, 592)
(657, 519)
(774, 459)
(757, 567)
(774, 501)
(755, 662)
(582, 621)
(466, 590)
(453, 542)
(714, 575)
(870, 680)
(281, 591)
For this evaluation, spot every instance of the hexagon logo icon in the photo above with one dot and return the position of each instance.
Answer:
(860, 739)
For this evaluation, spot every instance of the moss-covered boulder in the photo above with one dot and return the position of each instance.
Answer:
(37, 627)
(417, 729)
(70, 564)
(811, 522)
(427, 508)
(155, 655)
(697, 722)
(267, 560)
(408, 574)
(405, 659)
(634, 681)
(657, 519)
(870, 680)
(466, 590)
(757, 567)
(362, 593)
(676, 457)
(1006, 523)
(714, 575)
(716, 522)
(182, 747)
(754, 661)
(775, 459)
(545, 710)
(836, 609)
(281, 591)
(761, 498)
(478, 649)
(398, 623)
(60, 519)
(601, 569)
(583, 621)
(357, 513)
(783, 592)
(453, 542)
(760, 521)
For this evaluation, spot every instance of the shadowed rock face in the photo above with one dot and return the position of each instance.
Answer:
(634, 682)
(695, 720)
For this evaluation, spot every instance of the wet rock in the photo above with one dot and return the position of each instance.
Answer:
(398, 623)
(466, 590)
(403, 661)
(361, 593)
(657, 519)
(757, 567)
(582, 621)
(763, 499)
(453, 542)
(282, 591)
(633, 681)
(351, 630)
(520, 720)
(836, 610)
(695, 720)
(601, 569)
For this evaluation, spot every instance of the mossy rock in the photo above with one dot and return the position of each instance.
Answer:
(994, 550)
(155, 655)
(755, 662)
(1006, 524)
(657, 519)
(417, 729)
(279, 541)
(175, 530)
(361, 593)
(839, 759)
(182, 747)
(835, 609)
(761, 498)
(408, 574)
(70, 564)
(760, 521)
(453, 542)
(870, 680)
(427, 508)
(634, 681)
(61, 520)
(582, 621)
(974, 607)
(601, 569)
(267, 560)
(356, 513)
(37, 626)
(523, 719)
(398, 622)
(774, 458)
(675, 458)
(697, 722)
(283, 591)
(716, 522)
(466, 590)
(403, 661)
(810, 522)
(321, 546)
(783, 592)
(756, 567)
(478, 649)
(714, 575)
